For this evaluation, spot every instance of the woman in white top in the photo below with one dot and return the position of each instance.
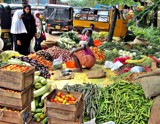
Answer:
(17, 26)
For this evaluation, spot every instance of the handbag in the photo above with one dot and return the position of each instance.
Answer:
(43, 36)
(43, 32)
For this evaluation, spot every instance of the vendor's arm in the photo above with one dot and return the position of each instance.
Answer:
(79, 49)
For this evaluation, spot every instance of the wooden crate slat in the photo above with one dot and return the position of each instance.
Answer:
(17, 80)
(9, 99)
(66, 115)
(61, 111)
(15, 117)
(58, 121)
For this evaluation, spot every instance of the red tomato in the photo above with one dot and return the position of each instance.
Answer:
(52, 100)
(59, 94)
(71, 102)
(74, 99)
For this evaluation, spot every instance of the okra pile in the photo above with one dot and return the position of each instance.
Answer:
(123, 103)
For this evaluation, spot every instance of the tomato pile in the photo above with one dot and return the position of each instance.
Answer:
(16, 68)
(64, 99)
(99, 54)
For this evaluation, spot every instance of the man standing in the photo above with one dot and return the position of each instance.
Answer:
(91, 28)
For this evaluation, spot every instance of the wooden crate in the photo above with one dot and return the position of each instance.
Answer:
(16, 99)
(15, 117)
(61, 111)
(17, 80)
(58, 121)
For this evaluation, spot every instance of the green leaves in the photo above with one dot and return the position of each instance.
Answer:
(117, 2)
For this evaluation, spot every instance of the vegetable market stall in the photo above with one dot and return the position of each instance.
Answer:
(117, 97)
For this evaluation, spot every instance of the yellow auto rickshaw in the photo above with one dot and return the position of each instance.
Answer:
(102, 19)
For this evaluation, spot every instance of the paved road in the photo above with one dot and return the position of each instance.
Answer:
(54, 36)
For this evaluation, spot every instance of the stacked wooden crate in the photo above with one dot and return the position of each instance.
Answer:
(62, 113)
(16, 95)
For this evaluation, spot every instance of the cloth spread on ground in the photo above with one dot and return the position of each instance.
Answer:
(96, 74)
(59, 76)
(80, 78)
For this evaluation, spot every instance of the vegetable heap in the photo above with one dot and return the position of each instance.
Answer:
(103, 35)
(16, 68)
(72, 35)
(41, 89)
(91, 97)
(55, 52)
(38, 67)
(99, 54)
(123, 103)
(64, 99)
(124, 53)
(45, 55)
(66, 43)
(111, 55)
(42, 61)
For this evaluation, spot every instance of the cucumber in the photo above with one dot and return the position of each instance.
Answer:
(33, 106)
(41, 104)
(37, 100)
(36, 79)
(38, 110)
(37, 73)
(42, 116)
(37, 117)
(45, 121)
(43, 81)
(38, 85)
(42, 90)
(42, 98)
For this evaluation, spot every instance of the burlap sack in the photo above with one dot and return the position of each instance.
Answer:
(140, 41)
(155, 114)
(150, 86)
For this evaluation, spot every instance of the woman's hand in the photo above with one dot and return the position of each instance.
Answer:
(18, 42)
(71, 54)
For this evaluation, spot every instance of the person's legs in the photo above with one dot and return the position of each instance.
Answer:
(77, 63)
(26, 44)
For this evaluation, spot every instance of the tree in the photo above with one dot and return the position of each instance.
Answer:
(111, 31)
(117, 2)
(82, 3)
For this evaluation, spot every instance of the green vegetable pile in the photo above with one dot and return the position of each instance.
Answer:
(111, 55)
(41, 89)
(95, 35)
(91, 93)
(72, 35)
(123, 103)
(66, 43)
(150, 34)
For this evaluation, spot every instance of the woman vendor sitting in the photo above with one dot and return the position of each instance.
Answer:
(83, 56)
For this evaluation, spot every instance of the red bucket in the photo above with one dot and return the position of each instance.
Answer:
(70, 64)
(97, 43)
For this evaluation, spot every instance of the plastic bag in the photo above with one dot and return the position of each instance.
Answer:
(108, 64)
(110, 122)
(116, 66)
(32, 45)
(93, 121)
(136, 69)
(57, 63)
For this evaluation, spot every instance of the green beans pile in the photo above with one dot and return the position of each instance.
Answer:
(123, 103)
(91, 93)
